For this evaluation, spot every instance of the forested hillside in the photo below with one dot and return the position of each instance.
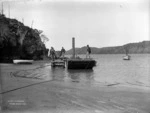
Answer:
(131, 48)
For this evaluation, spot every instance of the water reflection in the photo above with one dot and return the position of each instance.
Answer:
(57, 74)
(80, 75)
(61, 74)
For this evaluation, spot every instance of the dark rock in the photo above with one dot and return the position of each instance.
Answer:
(18, 41)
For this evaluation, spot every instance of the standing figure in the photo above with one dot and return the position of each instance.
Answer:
(63, 52)
(52, 53)
(88, 52)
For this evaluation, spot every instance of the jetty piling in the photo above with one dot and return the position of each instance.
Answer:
(73, 47)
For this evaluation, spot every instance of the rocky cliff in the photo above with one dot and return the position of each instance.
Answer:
(18, 41)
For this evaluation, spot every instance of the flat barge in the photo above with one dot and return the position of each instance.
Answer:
(58, 63)
(80, 63)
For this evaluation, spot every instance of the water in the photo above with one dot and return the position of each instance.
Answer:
(110, 69)
(62, 89)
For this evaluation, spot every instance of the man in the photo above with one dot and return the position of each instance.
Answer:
(52, 53)
(63, 52)
(88, 52)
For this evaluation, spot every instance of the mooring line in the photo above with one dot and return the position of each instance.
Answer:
(24, 87)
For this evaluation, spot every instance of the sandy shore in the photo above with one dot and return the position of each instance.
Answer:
(37, 95)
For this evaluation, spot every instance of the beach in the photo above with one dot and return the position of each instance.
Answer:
(34, 92)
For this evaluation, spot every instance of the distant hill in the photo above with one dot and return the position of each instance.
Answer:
(131, 48)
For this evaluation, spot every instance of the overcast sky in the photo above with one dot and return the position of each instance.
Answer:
(99, 23)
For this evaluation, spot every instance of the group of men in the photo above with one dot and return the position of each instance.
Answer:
(52, 53)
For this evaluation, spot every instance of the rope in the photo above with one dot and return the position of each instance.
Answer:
(15, 74)
(24, 87)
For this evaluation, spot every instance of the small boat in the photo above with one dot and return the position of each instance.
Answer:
(20, 61)
(127, 57)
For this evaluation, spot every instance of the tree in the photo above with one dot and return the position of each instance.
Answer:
(44, 38)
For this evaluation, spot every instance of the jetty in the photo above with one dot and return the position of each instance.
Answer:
(79, 63)
(58, 63)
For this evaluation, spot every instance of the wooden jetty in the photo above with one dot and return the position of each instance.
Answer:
(58, 63)
(78, 63)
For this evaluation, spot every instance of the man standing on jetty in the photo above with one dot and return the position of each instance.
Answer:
(52, 53)
(88, 52)
(63, 52)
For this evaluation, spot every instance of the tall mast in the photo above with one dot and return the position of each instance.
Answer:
(73, 47)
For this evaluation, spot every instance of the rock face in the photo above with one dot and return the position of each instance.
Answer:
(131, 48)
(18, 41)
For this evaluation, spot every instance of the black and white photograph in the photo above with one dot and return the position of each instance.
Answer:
(74, 56)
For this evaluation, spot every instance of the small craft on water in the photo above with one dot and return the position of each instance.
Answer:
(20, 61)
(127, 57)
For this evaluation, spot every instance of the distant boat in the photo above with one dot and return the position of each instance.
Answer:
(17, 61)
(127, 57)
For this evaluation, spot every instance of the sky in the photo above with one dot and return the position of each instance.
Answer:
(99, 23)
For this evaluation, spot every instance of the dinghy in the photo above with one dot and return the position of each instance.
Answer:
(127, 57)
(18, 61)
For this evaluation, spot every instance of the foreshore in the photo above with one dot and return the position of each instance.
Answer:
(35, 92)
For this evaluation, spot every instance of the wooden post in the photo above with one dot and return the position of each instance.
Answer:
(73, 47)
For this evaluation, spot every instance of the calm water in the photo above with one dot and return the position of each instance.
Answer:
(110, 69)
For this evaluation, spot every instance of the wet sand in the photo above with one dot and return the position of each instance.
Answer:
(30, 93)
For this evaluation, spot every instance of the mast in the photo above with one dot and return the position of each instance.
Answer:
(73, 47)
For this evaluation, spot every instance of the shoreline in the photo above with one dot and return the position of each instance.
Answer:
(27, 95)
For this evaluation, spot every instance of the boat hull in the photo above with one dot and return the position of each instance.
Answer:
(80, 64)
(22, 61)
(126, 58)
